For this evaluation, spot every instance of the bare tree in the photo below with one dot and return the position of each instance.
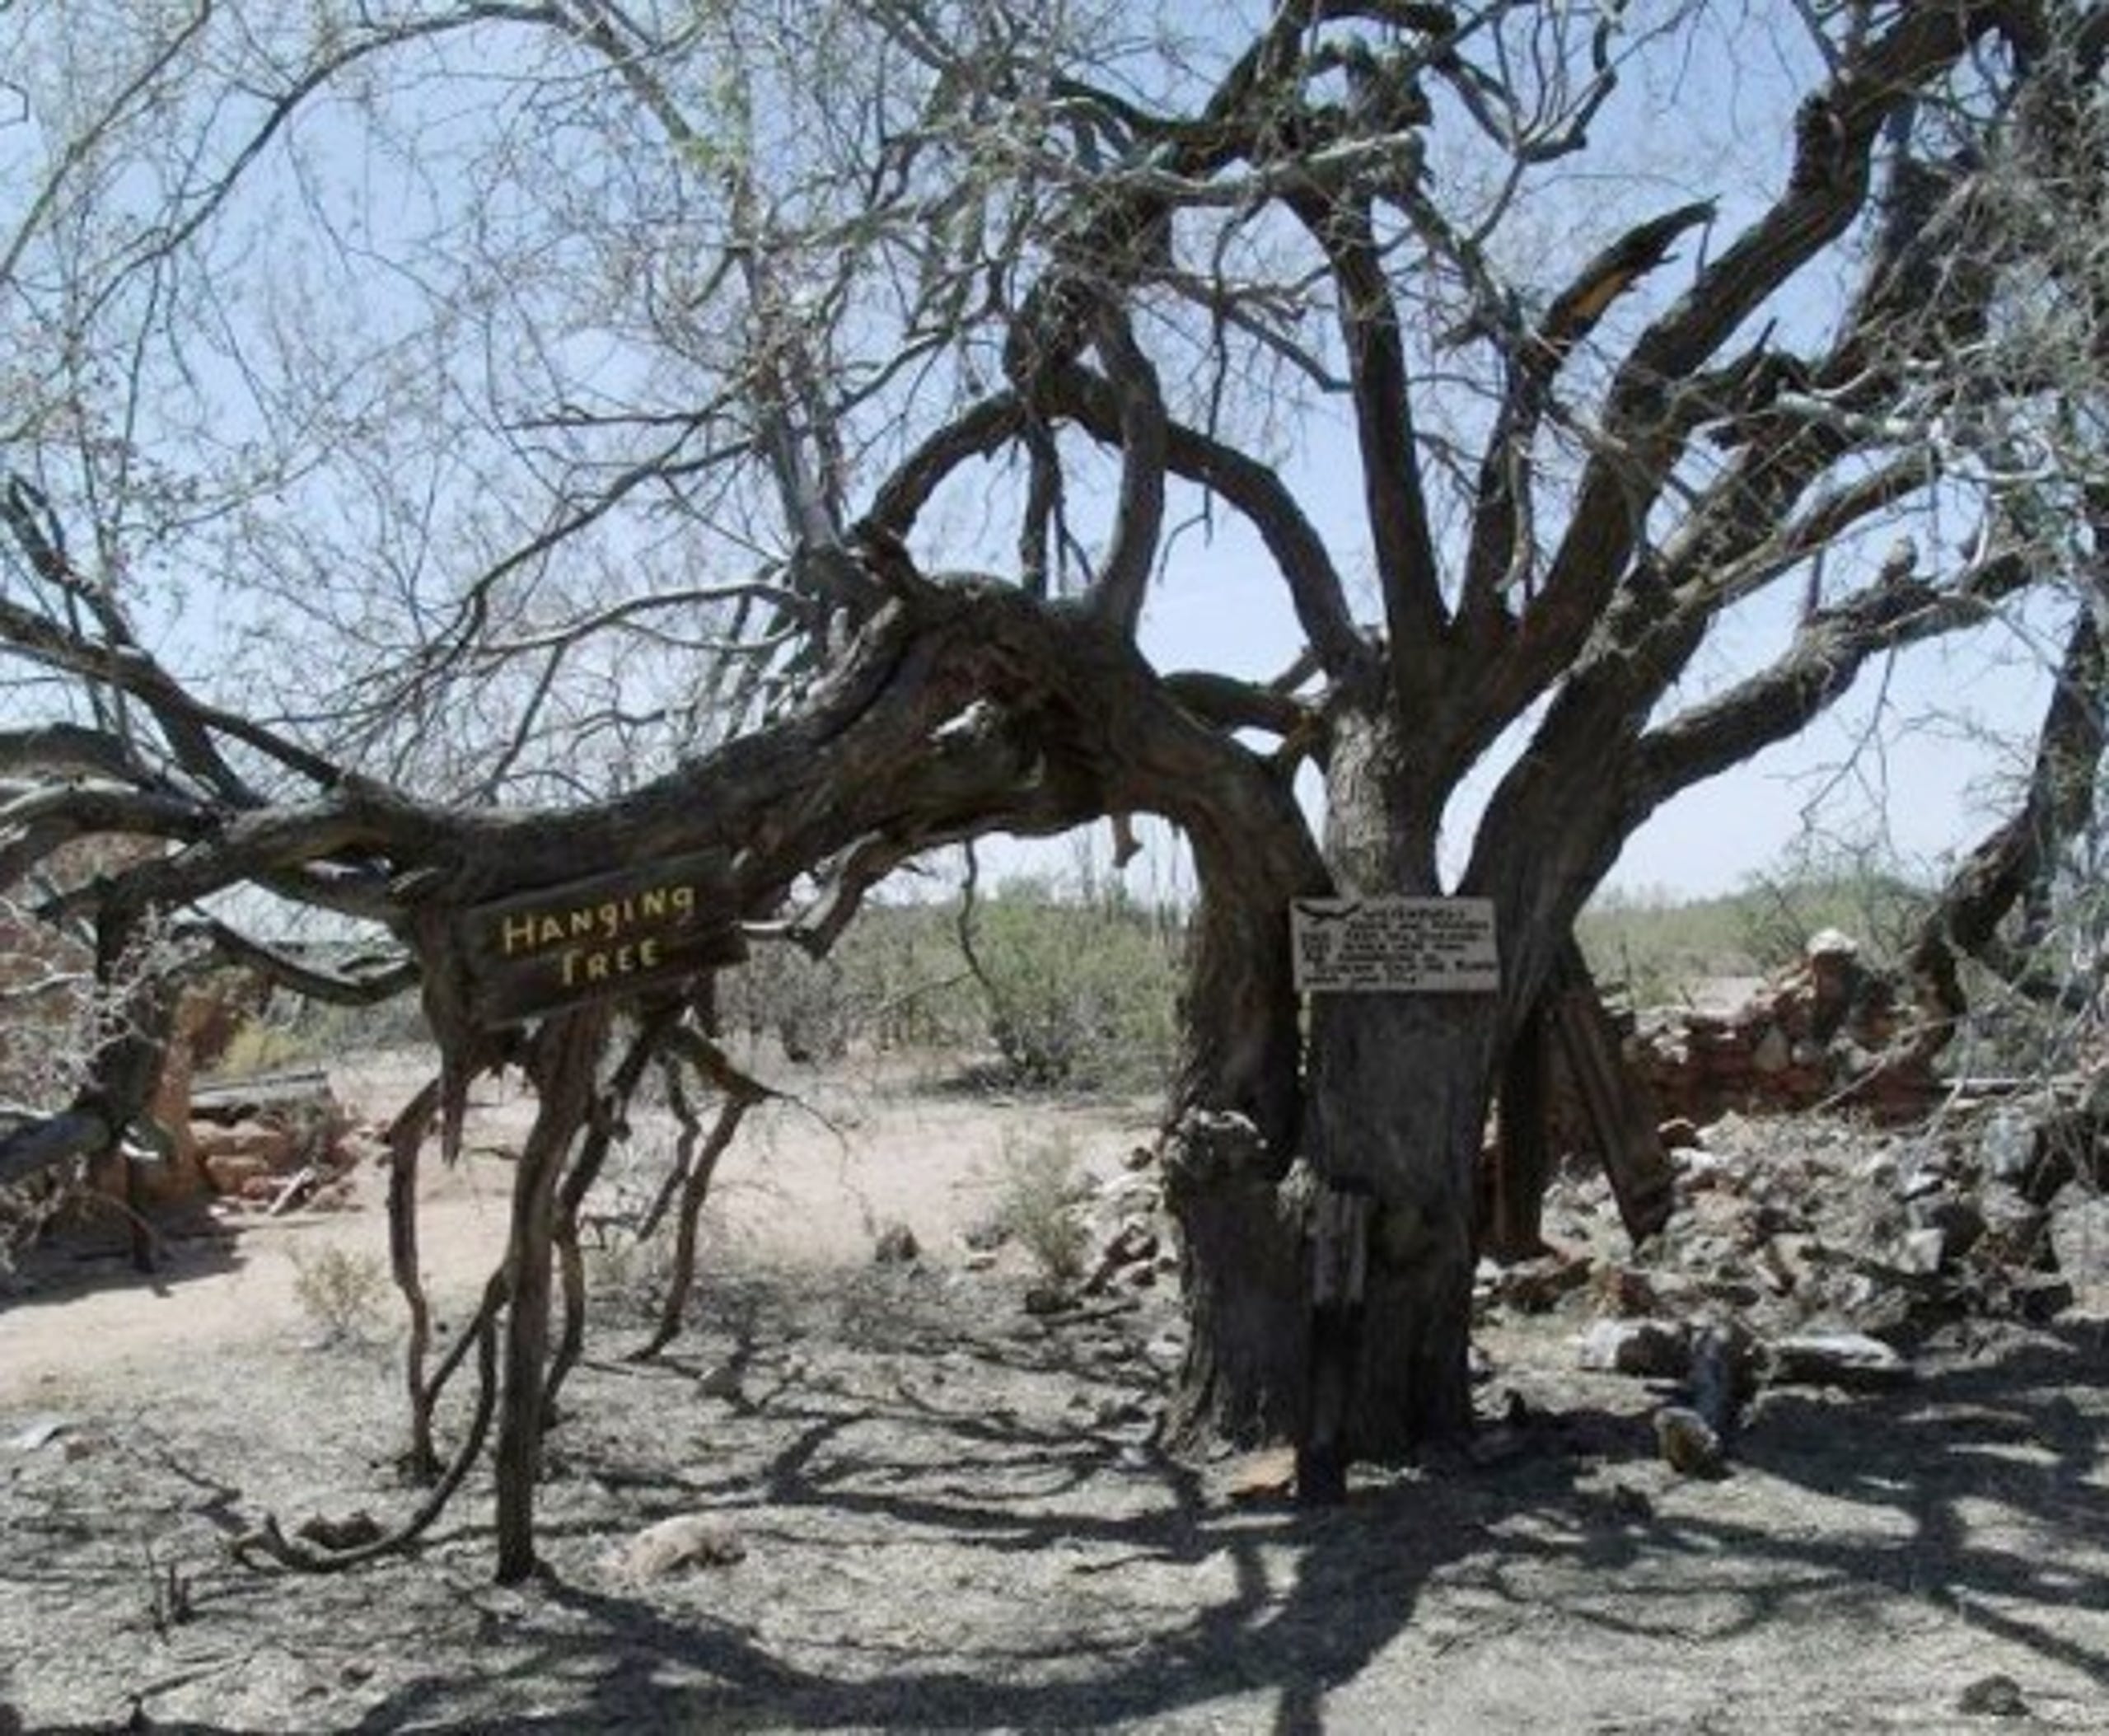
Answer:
(591, 428)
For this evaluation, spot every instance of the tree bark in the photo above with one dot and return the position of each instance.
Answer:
(562, 1065)
(1399, 1087)
(1241, 1238)
(1394, 1106)
(1234, 1127)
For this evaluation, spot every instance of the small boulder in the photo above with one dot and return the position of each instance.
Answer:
(897, 1245)
(1652, 1349)
(1993, 1696)
(688, 1540)
(1849, 1359)
(1688, 1443)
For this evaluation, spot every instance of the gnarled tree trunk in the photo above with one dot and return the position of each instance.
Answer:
(1393, 1097)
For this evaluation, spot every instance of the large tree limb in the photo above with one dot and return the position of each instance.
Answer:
(1820, 664)
(1498, 554)
(2012, 864)
(1393, 491)
(1138, 516)
(1640, 441)
(1257, 492)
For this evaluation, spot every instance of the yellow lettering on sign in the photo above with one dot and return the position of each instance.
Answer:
(600, 926)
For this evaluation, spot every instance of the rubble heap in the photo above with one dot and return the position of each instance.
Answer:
(1828, 1032)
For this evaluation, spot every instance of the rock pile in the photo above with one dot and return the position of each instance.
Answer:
(1818, 1252)
(1129, 1233)
(269, 1144)
(1828, 1031)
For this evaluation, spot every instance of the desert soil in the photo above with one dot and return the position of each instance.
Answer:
(948, 1512)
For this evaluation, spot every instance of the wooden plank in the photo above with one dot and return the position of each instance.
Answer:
(1340, 1271)
(1623, 1124)
(1522, 1159)
(604, 938)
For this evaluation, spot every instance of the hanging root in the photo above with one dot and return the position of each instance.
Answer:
(742, 1094)
(406, 1139)
(301, 1556)
(610, 1114)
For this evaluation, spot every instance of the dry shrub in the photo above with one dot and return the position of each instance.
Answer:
(340, 1291)
(1042, 1186)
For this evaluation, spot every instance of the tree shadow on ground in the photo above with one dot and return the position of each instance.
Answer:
(1972, 1490)
(890, 1522)
(1355, 1576)
(187, 1243)
(1359, 1571)
(1267, 1599)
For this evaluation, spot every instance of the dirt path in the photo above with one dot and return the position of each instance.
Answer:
(810, 1182)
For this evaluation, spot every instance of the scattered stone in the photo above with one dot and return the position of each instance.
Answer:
(354, 1531)
(1688, 1443)
(1922, 1253)
(1849, 1359)
(2015, 1231)
(720, 1381)
(1879, 1171)
(2038, 1298)
(1651, 1349)
(1535, 1286)
(1773, 1053)
(1993, 1696)
(2007, 1147)
(1961, 1222)
(897, 1245)
(1133, 1244)
(1047, 1299)
(1700, 1171)
(688, 1540)
(1139, 1157)
(1626, 1291)
(986, 1237)
(1268, 1476)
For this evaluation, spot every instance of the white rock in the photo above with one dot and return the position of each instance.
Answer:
(685, 1541)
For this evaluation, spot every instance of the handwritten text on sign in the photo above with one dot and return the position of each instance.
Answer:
(1390, 946)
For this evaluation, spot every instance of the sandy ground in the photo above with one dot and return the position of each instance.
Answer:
(949, 1515)
(810, 1183)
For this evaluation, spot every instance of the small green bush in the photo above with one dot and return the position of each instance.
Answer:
(1036, 1207)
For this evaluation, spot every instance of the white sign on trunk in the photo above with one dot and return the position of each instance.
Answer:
(1392, 946)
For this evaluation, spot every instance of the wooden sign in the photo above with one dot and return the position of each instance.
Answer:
(1395, 946)
(587, 940)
